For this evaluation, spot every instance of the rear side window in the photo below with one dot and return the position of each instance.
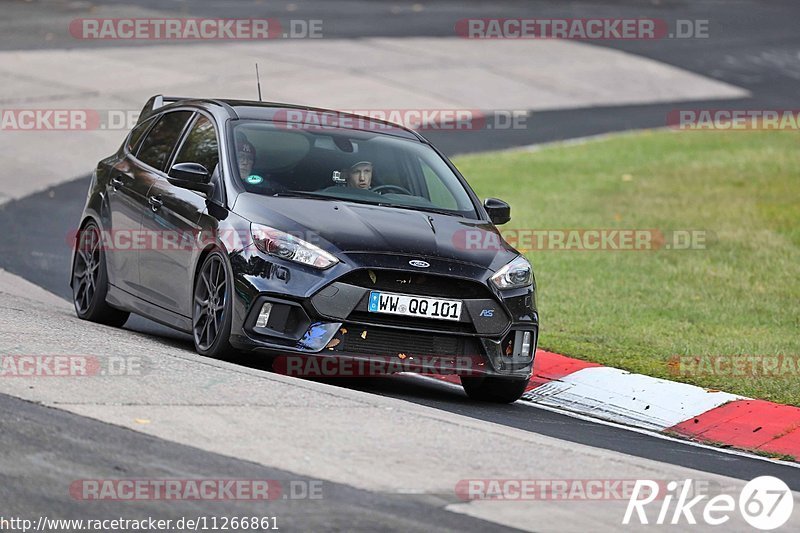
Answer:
(201, 145)
(136, 135)
(160, 141)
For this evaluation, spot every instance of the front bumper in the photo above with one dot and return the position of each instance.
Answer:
(496, 335)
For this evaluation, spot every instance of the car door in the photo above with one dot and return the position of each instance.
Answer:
(131, 180)
(127, 197)
(175, 215)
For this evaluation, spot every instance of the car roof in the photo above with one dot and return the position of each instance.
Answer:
(307, 116)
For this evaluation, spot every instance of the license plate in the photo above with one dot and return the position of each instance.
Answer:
(419, 306)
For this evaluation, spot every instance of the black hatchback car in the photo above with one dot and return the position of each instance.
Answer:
(295, 231)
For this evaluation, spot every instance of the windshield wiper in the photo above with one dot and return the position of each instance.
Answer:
(425, 209)
(297, 194)
(325, 196)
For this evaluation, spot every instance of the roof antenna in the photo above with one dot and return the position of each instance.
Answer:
(258, 81)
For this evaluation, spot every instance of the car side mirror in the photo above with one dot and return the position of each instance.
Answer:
(499, 211)
(192, 176)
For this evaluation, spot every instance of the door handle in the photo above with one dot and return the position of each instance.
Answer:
(155, 202)
(117, 183)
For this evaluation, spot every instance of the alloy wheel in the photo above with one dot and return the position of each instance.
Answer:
(86, 271)
(210, 299)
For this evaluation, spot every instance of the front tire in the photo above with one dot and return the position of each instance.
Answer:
(90, 280)
(212, 308)
(494, 389)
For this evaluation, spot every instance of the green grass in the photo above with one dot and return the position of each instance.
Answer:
(637, 310)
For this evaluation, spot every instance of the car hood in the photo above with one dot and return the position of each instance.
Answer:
(351, 227)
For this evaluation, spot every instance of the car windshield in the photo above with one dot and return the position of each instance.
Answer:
(349, 165)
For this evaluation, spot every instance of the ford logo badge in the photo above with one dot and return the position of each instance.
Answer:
(418, 263)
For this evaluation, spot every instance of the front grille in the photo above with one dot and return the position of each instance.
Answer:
(417, 283)
(378, 341)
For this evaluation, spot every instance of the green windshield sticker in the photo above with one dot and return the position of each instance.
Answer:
(254, 179)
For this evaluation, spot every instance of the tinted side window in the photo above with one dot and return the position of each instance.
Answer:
(136, 135)
(200, 145)
(160, 141)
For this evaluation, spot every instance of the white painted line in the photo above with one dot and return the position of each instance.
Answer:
(634, 399)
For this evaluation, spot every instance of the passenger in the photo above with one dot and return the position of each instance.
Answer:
(246, 158)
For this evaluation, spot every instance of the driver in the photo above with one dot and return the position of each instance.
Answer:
(359, 175)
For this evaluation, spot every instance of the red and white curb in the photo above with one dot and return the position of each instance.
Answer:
(664, 406)
(626, 398)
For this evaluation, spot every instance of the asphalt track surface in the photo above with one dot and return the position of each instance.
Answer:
(87, 449)
(755, 46)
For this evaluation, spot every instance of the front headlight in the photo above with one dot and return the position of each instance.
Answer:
(518, 273)
(286, 246)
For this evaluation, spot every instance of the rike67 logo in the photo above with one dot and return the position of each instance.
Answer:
(765, 503)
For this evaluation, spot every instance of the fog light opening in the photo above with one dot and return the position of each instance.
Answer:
(525, 348)
(263, 315)
(521, 346)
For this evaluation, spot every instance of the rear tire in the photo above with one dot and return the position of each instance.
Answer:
(90, 280)
(212, 308)
(494, 389)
